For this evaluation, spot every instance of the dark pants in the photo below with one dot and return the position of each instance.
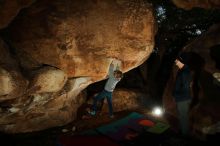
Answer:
(101, 96)
(183, 111)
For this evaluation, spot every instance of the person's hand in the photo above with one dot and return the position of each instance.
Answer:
(112, 64)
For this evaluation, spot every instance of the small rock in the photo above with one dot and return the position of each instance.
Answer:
(216, 78)
(14, 110)
(65, 130)
(213, 129)
(74, 128)
(216, 75)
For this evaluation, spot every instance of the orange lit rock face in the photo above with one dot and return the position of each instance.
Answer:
(70, 34)
(10, 8)
(62, 47)
(189, 4)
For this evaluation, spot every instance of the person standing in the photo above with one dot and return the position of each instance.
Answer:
(182, 92)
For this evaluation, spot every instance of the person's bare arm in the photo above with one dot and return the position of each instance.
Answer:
(111, 70)
(117, 67)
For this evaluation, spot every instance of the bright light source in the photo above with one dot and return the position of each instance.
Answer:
(157, 111)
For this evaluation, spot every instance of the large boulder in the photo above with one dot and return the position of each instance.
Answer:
(38, 111)
(61, 47)
(69, 34)
(49, 79)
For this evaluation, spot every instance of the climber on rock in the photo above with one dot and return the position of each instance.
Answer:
(114, 76)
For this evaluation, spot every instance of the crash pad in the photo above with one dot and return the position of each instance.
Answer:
(158, 128)
(147, 123)
(118, 130)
